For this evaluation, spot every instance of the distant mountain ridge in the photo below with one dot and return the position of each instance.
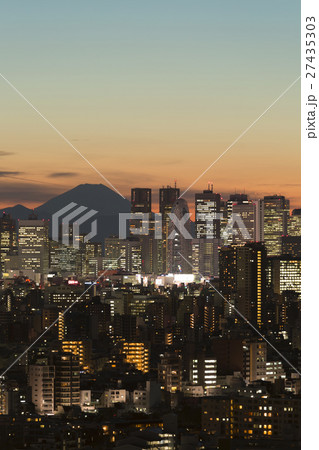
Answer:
(18, 211)
(94, 196)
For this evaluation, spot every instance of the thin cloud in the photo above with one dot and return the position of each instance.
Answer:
(29, 193)
(4, 153)
(280, 184)
(62, 174)
(8, 173)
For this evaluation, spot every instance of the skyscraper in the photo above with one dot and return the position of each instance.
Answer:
(246, 210)
(130, 250)
(243, 212)
(91, 252)
(207, 208)
(285, 273)
(259, 221)
(141, 200)
(234, 199)
(251, 281)
(65, 259)
(179, 241)
(207, 229)
(291, 245)
(34, 244)
(124, 253)
(294, 223)
(205, 257)
(112, 251)
(8, 238)
(228, 275)
(276, 213)
(167, 197)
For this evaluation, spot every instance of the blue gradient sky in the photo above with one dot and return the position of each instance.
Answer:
(149, 92)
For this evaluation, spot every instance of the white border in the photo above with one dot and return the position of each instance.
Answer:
(310, 241)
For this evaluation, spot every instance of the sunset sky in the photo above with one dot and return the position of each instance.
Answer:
(150, 92)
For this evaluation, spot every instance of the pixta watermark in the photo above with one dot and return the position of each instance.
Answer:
(70, 224)
(235, 225)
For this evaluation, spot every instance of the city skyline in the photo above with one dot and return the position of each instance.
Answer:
(190, 196)
(150, 230)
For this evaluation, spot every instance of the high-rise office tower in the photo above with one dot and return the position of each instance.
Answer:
(251, 281)
(71, 237)
(247, 212)
(8, 239)
(228, 269)
(91, 252)
(205, 257)
(259, 221)
(238, 198)
(239, 207)
(151, 251)
(34, 244)
(124, 253)
(207, 228)
(92, 249)
(294, 223)
(112, 251)
(284, 274)
(131, 255)
(141, 200)
(207, 209)
(179, 241)
(291, 245)
(167, 197)
(228, 275)
(234, 199)
(66, 259)
(276, 213)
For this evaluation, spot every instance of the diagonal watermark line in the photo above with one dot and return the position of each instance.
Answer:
(246, 320)
(55, 321)
(59, 133)
(241, 135)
